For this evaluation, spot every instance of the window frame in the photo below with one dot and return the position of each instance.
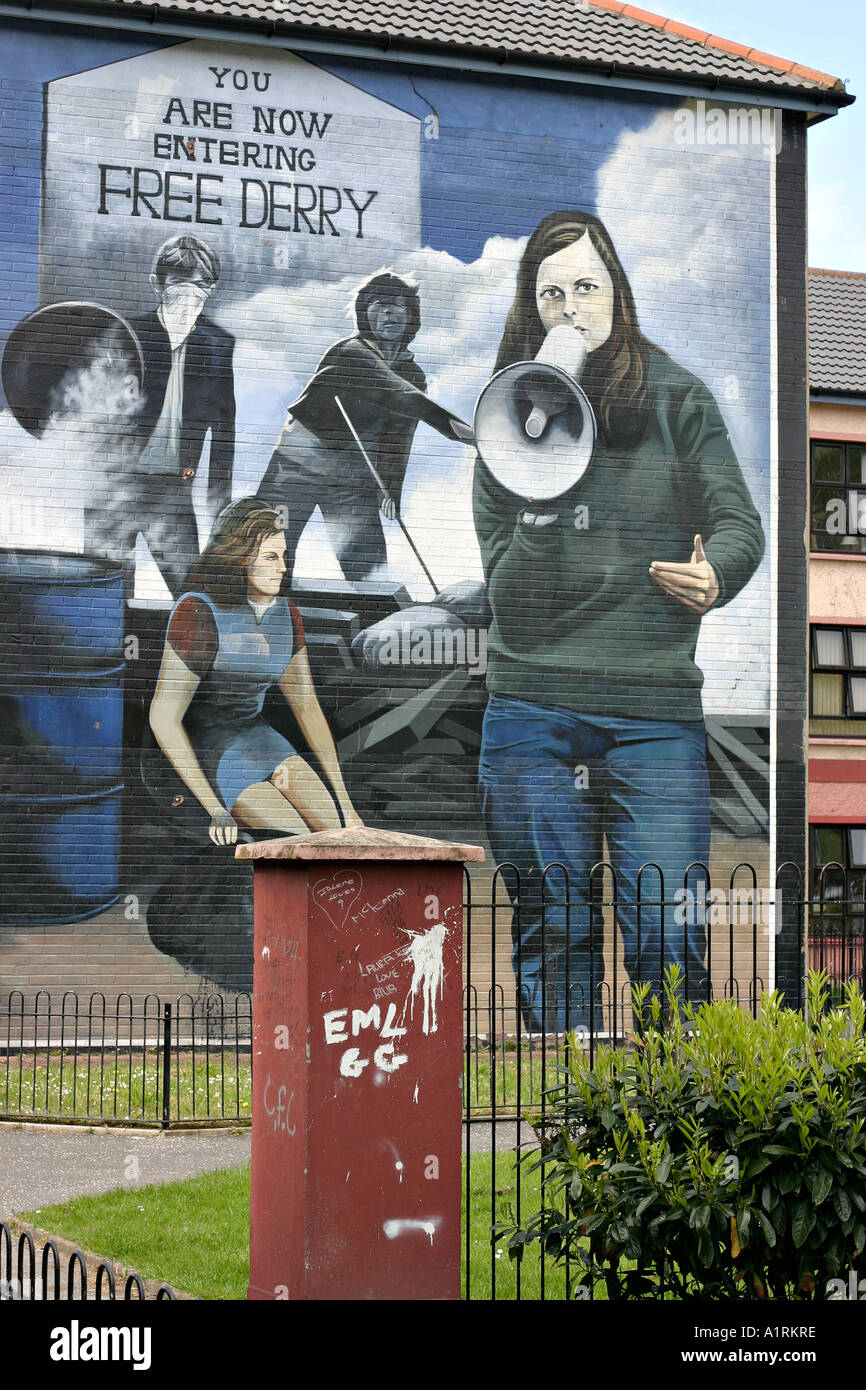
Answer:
(848, 671)
(847, 542)
(848, 910)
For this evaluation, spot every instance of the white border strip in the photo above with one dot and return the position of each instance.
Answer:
(774, 542)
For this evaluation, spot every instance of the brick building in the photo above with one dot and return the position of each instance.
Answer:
(837, 586)
(501, 177)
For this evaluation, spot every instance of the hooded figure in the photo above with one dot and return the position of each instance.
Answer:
(382, 389)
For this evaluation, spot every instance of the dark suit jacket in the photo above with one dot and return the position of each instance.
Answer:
(208, 396)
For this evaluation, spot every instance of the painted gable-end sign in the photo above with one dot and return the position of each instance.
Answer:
(284, 169)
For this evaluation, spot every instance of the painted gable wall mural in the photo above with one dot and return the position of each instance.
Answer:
(379, 445)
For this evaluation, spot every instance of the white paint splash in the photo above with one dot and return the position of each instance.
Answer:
(425, 953)
(415, 1096)
(393, 1229)
(399, 1166)
(266, 953)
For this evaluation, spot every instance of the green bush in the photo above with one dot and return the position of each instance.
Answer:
(721, 1156)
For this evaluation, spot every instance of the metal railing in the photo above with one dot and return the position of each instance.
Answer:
(187, 1061)
(24, 1277)
(152, 1063)
(756, 938)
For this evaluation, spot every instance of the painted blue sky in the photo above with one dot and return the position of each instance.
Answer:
(832, 37)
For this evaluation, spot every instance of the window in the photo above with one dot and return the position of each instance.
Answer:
(838, 497)
(830, 913)
(838, 684)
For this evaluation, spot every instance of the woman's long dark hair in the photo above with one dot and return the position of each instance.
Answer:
(615, 377)
(220, 570)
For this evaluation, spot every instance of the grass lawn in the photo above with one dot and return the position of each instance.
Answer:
(129, 1087)
(491, 1080)
(194, 1234)
(492, 1275)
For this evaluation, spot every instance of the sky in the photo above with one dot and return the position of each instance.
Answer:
(830, 36)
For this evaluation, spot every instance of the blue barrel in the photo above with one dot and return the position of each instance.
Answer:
(58, 611)
(58, 857)
(61, 736)
(63, 729)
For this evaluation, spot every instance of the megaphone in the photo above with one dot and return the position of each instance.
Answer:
(535, 428)
(49, 346)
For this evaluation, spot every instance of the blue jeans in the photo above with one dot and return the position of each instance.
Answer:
(553, 784)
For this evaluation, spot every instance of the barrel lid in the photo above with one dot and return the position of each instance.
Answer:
(359, 842)
(52, 345)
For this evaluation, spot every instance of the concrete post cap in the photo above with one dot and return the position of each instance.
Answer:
(359, 842)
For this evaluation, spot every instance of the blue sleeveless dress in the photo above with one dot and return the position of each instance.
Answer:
(234, 744)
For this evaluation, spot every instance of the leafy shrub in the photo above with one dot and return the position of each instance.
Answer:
(721, 1156)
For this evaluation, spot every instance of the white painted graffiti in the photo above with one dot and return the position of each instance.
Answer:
(339, 1029)
(377, 907)
(428, 978)
(425, 951)
(393, 1229)
(281, 1109)
(338, 894)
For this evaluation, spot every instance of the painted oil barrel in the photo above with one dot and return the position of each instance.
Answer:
(61, 736)
(65, 727)
(58, 857)
(58, 610)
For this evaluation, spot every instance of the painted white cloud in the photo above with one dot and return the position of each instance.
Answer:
(283, 332)
(686, 223)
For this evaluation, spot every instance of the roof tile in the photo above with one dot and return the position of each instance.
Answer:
(585, 33)
(646, 16)
(728, 45)
(837, 332)
(811, 74)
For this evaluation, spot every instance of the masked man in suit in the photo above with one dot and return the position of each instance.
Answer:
(188, 389)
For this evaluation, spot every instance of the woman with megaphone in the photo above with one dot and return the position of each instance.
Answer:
(611, 514)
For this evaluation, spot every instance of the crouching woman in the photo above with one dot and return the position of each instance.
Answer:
(230, 637)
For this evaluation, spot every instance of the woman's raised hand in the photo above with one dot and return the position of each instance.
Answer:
(223, 828)
(695, 585)
(565, 348)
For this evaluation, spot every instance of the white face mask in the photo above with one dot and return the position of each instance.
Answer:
(181, 306)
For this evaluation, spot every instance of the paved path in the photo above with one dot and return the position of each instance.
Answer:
(41, 1167)
(38, 1168)
(484, 1137)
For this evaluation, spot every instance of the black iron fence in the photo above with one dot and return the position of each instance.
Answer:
(150, 1063)
(543, 956)
(28, 1274)
(750, 936)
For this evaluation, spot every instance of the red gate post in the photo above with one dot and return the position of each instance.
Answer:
(357, 1066)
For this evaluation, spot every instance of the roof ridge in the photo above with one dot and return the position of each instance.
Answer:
(846, 274)
(708, 40)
